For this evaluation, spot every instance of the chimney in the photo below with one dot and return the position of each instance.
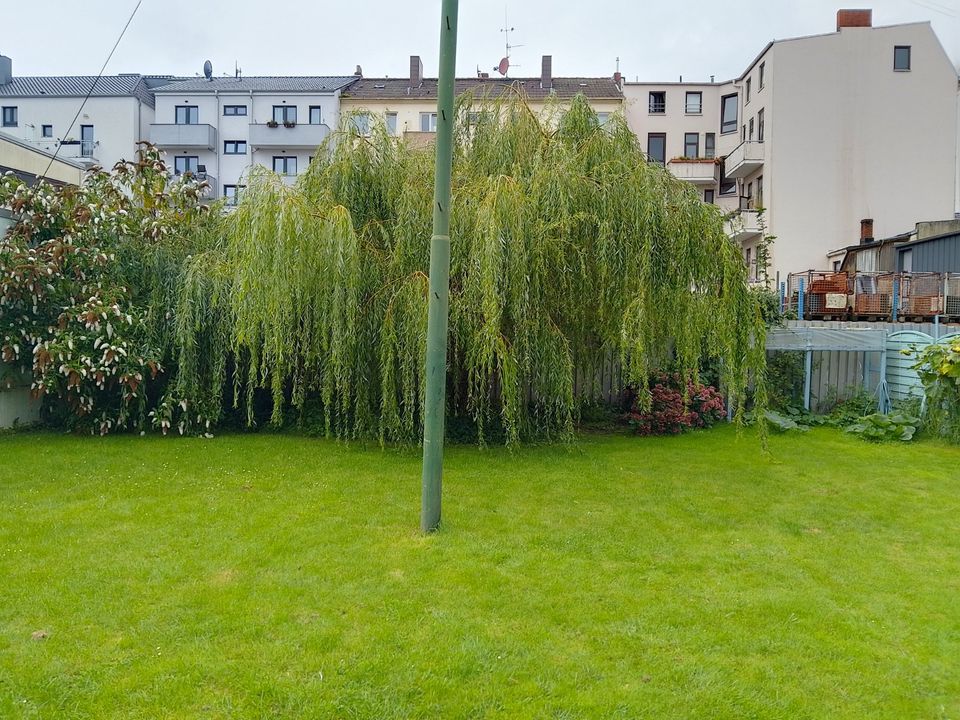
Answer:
(854, 18)
(546, 72)
(358, 72)
(416, 71)
(618, 79)
(6, 70)
(866, 231)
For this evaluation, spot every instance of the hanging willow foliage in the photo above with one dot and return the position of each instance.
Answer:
(568, 248)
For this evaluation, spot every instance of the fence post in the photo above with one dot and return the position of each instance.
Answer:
(783, 295)
(800, 301)
(807, 369)
(896, 300)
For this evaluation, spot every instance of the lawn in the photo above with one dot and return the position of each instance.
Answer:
(265, 576)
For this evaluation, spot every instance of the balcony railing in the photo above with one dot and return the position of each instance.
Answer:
(699, 171)
(72, 149)
(745, 159)
(184, 136)
(297, 136)
(744, 225)
(210, 193)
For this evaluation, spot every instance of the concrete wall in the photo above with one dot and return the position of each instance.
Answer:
(27, 158)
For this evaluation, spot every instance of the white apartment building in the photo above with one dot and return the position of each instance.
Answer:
(821, 132)
(219, 128)
(40, 110)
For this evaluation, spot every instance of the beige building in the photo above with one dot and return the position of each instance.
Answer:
(408, 105)
(821, 132)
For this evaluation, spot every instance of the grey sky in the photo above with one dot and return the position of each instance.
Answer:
(654, 40)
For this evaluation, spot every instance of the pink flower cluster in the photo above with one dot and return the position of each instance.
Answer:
(668, 414)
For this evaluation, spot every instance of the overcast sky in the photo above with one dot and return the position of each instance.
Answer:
(655, 40)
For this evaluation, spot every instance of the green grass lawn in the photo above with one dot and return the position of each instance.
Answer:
(269, 576)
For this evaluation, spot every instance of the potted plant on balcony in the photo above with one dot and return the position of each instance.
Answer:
(272, 123)
(289, 124)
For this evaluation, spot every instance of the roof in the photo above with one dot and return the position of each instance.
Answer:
(399, 88)
(314, 84)
(932, 238)
(857, 247)
(7, 138)
(127, 85)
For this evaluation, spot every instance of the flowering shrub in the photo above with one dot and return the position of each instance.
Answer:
(667, 413)
(938, 366)
(78, 272)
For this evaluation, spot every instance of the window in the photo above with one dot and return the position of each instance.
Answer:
(392, 123)
(285, 165)
(186, 164)
(710, 145)
(284, 114)
(602, 118)
(232, 110)
(186, 115)
(234, 147)
(728, 186)
(86, 141)
(760, 125)
(760, 191)
(901, 58)
(751, 129)
(837, 264)
(657, 147)
(361, 122)
(316, 115)
(708, 196)
(46, 131)
(749, 83)
(428, 122)
(9, 117)
(694, 103)
(728, 114)
(907, 259)
(691, 145)
(658, 102)
(743, 133)
(747, 254)
(231, 193)
(763, 67)
(749, 196)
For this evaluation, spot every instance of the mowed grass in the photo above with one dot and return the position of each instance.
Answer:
(266, 576)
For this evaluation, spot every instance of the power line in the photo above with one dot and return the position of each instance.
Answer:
(90, 92)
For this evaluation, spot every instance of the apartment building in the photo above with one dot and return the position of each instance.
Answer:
(40, 111)
(219, 128)
(408, 105)
(821, 132)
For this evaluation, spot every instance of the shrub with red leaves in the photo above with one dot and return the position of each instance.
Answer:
(668, 414)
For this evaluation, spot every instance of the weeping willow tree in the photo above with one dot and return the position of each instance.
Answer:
(569, 248)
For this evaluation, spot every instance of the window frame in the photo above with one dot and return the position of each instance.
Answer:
(659, 136)
(761, 122)
(86, 146)
(236, 147)
(686, 102)
(747, 91)
(431, 124)
(711, 200)
(762, 71)
(896, 50)
(392, 130)
(695, 144)
(752, 127)
(286, 165)
(724, 180)
(236, 194)
(44, 133)
(235, 109)
(176, 158)
(710, 145)
(319, 109)
(12, 111)
(725, 125)
(662, 104)
(195, 114)
(285, 112)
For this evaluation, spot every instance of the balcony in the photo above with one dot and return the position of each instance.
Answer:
(744, 225)
(184, 136)
(82, 150)
(745, 159)
(297, 136)
(697, 171)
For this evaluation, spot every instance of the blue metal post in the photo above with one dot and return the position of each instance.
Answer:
(800, 301)
(783, 295)
(896, 299)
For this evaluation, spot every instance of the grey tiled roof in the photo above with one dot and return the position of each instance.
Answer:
(259, 84)
(563, 88)
(132, 85)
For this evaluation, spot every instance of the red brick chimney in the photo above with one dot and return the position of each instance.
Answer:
(866, 231)
(546, 72)
(854, 18)
(416, 71)
(618, 78)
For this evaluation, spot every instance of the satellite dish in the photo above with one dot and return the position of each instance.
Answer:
(208, 70)
(503, 67)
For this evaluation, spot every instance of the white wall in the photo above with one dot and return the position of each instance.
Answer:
(117, 123)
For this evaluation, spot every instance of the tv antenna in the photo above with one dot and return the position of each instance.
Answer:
(504, 66)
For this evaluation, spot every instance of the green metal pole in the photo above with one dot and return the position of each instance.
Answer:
(436, 360)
